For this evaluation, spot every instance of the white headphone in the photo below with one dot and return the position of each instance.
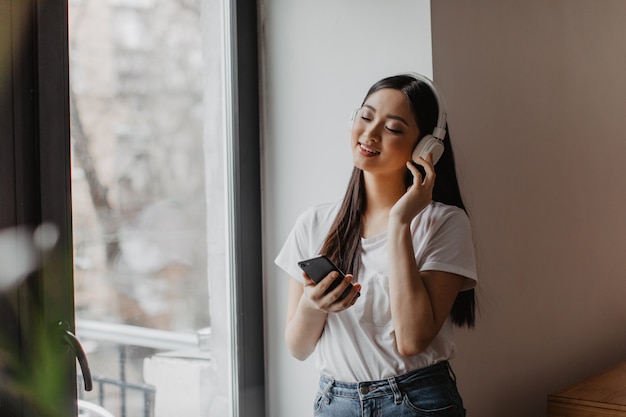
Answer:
(431, 143)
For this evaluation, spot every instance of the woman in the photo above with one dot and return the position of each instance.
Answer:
(406, 242)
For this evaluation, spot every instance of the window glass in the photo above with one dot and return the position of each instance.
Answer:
(148, 202)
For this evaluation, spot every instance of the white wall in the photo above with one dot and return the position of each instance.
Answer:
(319, 59)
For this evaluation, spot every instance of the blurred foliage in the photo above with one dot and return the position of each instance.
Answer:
(31, 372)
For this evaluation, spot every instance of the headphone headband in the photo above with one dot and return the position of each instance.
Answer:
(440, 130)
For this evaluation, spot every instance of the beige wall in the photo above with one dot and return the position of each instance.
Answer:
(536, 93)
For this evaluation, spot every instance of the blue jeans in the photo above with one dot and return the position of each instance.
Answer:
(430, 391)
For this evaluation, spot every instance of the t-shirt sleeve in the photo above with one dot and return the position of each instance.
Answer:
(450, 248)
(301, 243)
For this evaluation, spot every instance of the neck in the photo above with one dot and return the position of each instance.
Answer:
(382, 192)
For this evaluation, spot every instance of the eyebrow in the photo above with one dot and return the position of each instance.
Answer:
(390, 116)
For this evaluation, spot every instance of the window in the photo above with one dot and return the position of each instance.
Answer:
(143, 238)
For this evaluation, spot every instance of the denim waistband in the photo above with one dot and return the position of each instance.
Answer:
(390, 386)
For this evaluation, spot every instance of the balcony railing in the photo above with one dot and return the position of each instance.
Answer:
(126, 337)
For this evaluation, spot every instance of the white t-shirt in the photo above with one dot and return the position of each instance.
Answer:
(358, 344)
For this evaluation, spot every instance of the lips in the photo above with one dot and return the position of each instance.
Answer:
(368, 150)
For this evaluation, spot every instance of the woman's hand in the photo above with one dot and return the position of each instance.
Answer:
(418, 195)
(330, 302)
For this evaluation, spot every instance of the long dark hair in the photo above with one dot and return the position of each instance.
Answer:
(343, 242)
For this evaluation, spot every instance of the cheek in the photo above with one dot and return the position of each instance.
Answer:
(355, 132)
(402, 145)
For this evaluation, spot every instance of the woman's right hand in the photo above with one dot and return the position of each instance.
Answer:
(330, 302)
(418, 195)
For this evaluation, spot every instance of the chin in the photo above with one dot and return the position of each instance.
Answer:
(359, 162)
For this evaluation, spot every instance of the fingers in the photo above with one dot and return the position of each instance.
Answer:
(341, 296)
(429, 170)
(345, 291)
(417, 175)
(354, 294)
(346, 298)
(428, 165)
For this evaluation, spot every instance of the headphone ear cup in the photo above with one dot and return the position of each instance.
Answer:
(353, 116)
(428, 144)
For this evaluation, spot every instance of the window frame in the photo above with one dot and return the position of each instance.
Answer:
(245, 208)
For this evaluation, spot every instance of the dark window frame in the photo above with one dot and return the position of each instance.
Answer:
(246, 174)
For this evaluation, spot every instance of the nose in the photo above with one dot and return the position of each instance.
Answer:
(372, 132)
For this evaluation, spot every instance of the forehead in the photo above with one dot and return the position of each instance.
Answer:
(388, 100)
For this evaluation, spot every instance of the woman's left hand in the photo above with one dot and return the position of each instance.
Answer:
(418, 195)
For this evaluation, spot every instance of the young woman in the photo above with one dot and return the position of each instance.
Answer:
(405, 241)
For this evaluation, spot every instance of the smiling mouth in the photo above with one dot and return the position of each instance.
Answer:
(368, 150)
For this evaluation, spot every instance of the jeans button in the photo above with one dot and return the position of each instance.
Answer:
(364, 389)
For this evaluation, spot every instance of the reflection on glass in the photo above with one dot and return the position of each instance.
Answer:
(148, 201)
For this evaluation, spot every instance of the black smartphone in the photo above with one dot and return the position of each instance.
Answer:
(317, 268)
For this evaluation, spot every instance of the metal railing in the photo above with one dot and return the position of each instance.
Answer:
(125, 336)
